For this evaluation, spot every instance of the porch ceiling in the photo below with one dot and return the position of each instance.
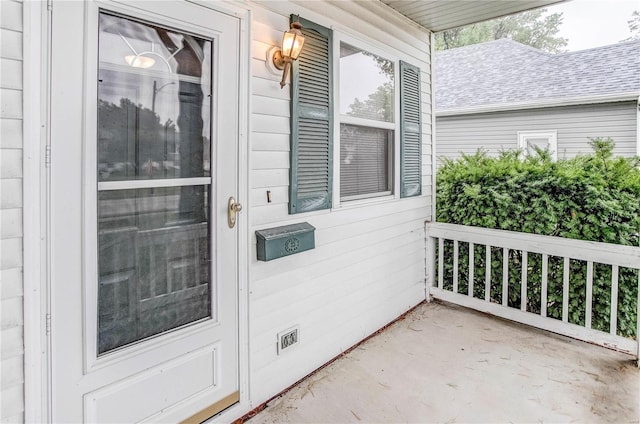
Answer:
(439, 15)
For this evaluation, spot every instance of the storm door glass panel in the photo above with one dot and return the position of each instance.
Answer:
(154, 181)
(153, 102)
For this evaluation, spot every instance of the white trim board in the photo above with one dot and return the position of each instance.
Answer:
(35, 138)
(434, 129)
(582, 250)
(539, 104)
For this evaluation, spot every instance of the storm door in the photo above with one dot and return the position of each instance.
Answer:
(144, 263)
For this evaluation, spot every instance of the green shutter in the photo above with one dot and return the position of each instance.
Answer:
(410, 131)
(311, 122)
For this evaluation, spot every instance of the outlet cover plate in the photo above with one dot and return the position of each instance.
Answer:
(288, 339)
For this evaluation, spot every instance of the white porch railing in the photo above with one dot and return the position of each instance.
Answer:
(546, 282)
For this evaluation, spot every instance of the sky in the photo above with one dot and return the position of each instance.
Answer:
(594, 23)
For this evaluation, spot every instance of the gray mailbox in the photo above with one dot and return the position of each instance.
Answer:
(274, 243)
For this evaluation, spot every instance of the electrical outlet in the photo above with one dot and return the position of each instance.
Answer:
(288, 339)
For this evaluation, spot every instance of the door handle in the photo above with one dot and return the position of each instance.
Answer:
(232, 210)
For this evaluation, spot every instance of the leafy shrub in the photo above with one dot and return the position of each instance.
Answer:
(593, 197)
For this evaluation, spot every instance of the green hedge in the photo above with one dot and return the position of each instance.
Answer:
(593, 197)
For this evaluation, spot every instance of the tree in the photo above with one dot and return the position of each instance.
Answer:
(634, 26)
(378, 106)
(530, 28)
(132, 134)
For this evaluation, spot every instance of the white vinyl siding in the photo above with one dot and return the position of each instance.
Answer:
(368, 264)
(11, 230)
(574, 124)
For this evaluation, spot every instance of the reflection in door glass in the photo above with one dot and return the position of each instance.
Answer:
(153, 102)
(153, 263)
(154, 248)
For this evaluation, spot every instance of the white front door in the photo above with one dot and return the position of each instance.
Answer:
(143, 262)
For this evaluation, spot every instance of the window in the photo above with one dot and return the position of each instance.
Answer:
(367, 123)
(377, 123)
(528, 141)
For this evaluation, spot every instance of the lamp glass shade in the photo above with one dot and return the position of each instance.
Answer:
(292, 42)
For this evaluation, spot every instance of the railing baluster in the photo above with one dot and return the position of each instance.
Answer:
(431, 266)
(565, 290)
(523, 285)
(545, 285)
(471, 270)
(613, 325)
(440, 263)
(505, 276)
(487, 273)
(589, 299)
(455, 266)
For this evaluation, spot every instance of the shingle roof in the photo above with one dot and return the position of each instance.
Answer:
(506, 72)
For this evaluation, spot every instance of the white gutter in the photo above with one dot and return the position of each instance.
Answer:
(536, 104)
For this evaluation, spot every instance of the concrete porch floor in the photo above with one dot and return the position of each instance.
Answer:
(448, 364)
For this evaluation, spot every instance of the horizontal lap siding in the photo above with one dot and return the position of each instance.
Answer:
(11, 229)
(368, 264)
(575, 124)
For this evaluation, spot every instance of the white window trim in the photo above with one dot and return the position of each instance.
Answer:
(550, 135)
(339, 37)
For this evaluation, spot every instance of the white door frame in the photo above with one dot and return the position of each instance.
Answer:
(36, 156)
(35, 216)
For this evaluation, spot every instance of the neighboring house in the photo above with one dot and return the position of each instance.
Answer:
(131, 285)
(503, 95)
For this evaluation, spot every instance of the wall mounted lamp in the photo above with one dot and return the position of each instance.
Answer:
(292, 42)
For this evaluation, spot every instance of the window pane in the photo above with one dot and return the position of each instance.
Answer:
(533, 142)
(364, 160)
(154, 262)
(154, 102)
(366, 84)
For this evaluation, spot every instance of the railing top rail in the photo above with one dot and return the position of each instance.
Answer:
(605, 253)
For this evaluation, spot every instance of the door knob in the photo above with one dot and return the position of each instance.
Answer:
(232, 210)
